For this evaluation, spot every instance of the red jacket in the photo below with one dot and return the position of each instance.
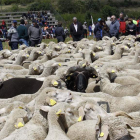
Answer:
(122, 27)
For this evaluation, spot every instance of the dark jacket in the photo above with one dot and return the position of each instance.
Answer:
(98, 31)
(59, 31)
(35, 33)
(79, 29)
(131, 27)
(60, 35)
(114, 28)
(23, 32)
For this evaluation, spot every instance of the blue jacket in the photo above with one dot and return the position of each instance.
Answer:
(98, 31)
(114, 28)
(90, 29)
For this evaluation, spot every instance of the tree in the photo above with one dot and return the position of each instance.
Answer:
(66, 6)
(108, 11)
(93, 5)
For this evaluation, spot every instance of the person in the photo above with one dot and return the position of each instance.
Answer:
(90, 30)
(108, 22)
(13, 36)
(138, 26)
(59, 33)
(23, 33)
(98, 29)
(121, 20)
(1, 46)
(106, 31)
(114, 27)
(93, 27)
(121, 17)
(85, 28)
(76, 30)
(131, 27)
(35, 34)
(66, 31)
(4, 29)
(27, 25)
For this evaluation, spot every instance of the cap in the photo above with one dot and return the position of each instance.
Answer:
(14, 21)
(99, 19)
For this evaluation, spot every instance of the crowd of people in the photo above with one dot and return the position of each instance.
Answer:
(111, 27)
(32, 34)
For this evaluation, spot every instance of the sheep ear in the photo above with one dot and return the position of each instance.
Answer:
(81, 112)
(129, 127)
(45, 108)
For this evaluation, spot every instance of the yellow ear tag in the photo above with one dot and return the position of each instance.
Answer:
(58, 47)
(126, 47)
(47, 45)
(20, 107)
(93, 76)
(71, 74)
(102, 134)
(79, 119)
(68, 78)
(20, 124)
(52, 102)
(69, 51)
(27, 55)
(93, 54)
(129, 38)
(58, 113)
(59, 64)
(55, 83)
(95, 66)
(35, 68)
(80, 49)
(39, 52)
(84, 65)
(99, 48)
(113, 71)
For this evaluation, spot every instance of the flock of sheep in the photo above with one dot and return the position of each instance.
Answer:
(45, 109)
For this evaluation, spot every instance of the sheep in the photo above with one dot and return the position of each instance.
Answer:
(17, 86)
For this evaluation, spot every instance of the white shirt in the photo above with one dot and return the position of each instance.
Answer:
(93, 26)
(75, 26)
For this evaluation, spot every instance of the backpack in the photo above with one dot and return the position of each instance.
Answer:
(122, 27)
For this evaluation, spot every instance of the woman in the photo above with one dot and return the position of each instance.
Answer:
(59, 32)
(131, 27)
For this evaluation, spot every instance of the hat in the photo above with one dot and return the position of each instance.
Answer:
(99, 19)
(14, 21)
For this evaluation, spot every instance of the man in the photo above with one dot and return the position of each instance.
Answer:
(13, 36)
(98, 30)
(35, 34)
(27, 25)
(23, 33)
(85, 28)
(121, 18)
(1, 46)
(122, 22)
(76, 30)
(114, 27)
(59, 33)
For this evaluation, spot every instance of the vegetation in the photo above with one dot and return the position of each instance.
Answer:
(65, 10)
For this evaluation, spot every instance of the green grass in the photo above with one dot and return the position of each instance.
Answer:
(6, 46)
